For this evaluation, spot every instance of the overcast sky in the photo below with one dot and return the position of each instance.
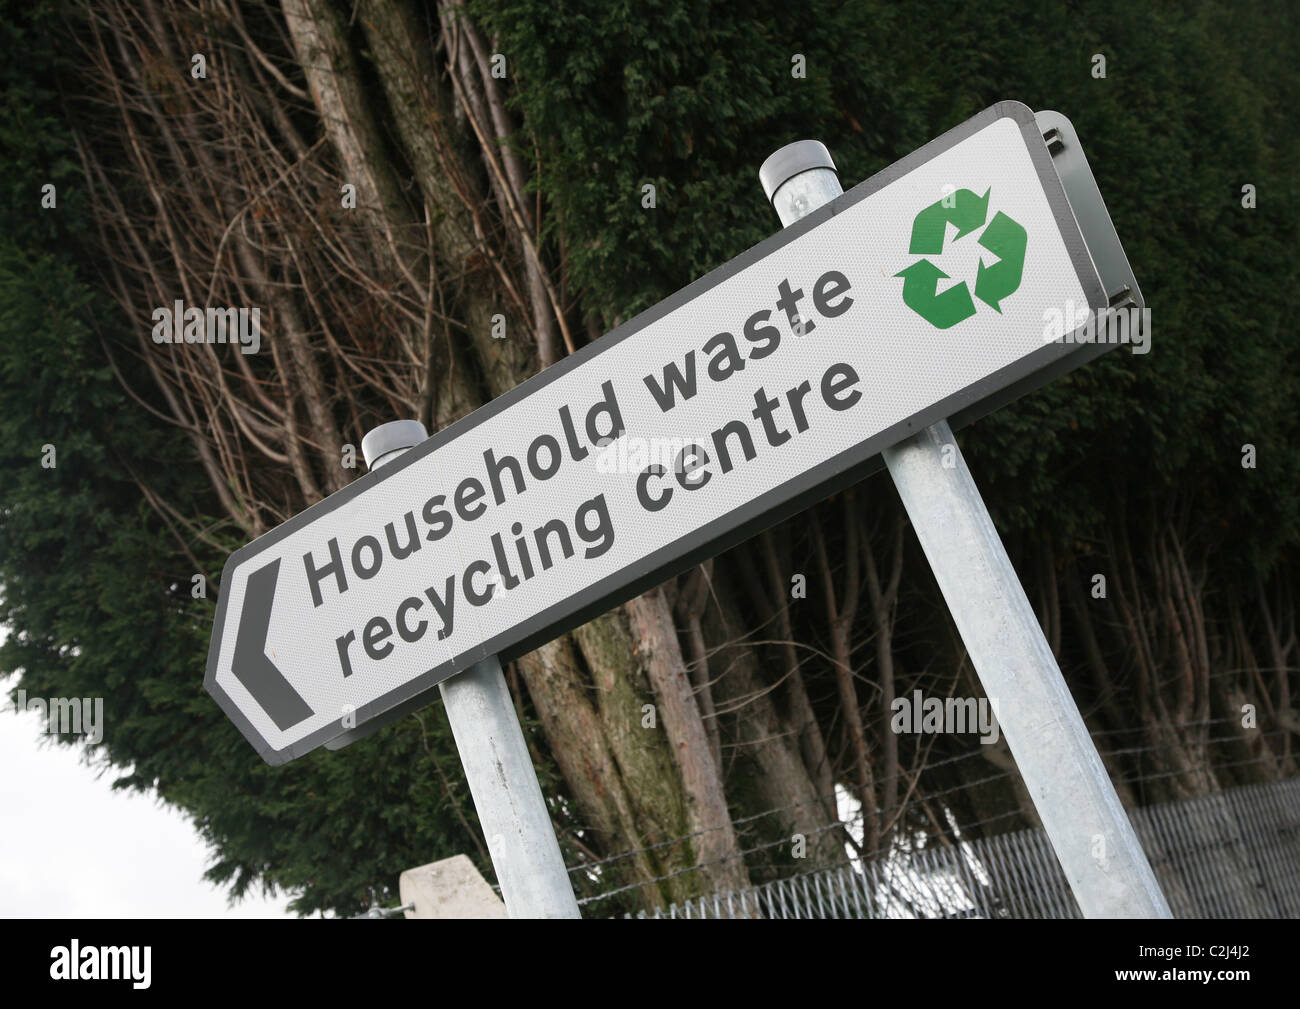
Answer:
(71, 847)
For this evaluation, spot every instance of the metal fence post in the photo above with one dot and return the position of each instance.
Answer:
(1082, 815)
(502, 780)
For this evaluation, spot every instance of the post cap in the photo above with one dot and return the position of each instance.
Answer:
(784, 164)
(395, 436)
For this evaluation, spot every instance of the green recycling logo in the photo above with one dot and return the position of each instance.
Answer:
(1003, 237)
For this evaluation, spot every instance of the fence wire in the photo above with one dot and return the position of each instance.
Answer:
(1233, 854)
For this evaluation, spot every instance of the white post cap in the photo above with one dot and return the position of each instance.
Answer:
(385, 442)
(791, 160)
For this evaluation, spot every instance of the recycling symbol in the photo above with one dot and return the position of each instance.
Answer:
(1003, 237)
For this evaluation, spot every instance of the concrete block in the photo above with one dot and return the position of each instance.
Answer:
(451, 888)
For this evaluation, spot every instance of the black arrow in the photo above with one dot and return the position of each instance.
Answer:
(251, 666)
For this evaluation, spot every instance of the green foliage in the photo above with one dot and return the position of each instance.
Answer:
(1196, 102)
(689, 97)
(96, 589)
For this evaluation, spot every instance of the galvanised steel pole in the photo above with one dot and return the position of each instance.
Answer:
(1088, 828)
(502, 780)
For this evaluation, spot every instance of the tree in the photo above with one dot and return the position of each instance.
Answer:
(389, 184)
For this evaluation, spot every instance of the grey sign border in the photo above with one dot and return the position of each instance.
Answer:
(793, 496)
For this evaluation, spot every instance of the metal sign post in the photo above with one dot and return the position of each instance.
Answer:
(1082, 815)
(511, 809)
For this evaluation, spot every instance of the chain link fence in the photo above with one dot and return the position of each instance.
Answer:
(1233, 854)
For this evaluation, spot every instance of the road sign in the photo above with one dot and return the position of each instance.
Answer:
(923, 293)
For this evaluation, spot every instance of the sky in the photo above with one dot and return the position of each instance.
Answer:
(71, 847)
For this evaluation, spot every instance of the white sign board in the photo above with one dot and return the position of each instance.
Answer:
(744, 397)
